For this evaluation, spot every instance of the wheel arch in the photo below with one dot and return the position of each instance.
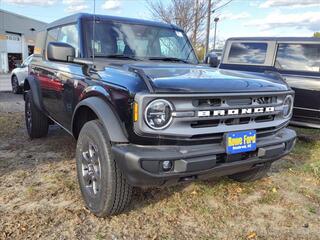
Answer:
(12, 75)
(31, 84)
(97, 108)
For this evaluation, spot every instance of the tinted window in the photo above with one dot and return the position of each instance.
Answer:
(69, 34)
(253, 53)
(299, 57)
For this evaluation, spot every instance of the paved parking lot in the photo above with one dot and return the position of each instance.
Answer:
(5, 84)
(11, 103)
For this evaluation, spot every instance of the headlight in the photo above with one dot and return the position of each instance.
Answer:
(287, 106)
(158, 114)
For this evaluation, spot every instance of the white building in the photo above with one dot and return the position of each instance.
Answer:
(17, 38)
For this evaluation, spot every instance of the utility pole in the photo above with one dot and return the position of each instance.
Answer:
(208, 28)
(215, 31)
(216, 19)
(195, 31)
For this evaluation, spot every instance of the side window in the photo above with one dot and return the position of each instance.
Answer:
(52, 36)
(298, 57)
(248, 52)
(40, 43)
(69, 34)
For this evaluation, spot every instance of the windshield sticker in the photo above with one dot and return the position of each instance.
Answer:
(179, 34)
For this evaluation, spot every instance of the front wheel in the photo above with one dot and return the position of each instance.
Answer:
(104, 188)
(252, 174)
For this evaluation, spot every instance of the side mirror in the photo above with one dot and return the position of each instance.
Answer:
(18, 65)
(60, 51)
(213, 60)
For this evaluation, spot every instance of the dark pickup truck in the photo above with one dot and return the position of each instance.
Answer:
(145, 113)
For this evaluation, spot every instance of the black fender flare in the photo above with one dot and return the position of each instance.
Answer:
(35, 89)
(107, 116)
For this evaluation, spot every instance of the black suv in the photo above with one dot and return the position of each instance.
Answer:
(146, 113)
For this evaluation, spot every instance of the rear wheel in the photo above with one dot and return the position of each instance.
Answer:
(252, 174)
(16, 89)
(104, 188)
(37, 123)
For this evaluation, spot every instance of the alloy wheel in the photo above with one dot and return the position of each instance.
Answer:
(28, 115)
(91, 169)
(15, 85)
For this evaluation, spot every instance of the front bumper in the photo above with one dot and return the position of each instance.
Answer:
(142, 165)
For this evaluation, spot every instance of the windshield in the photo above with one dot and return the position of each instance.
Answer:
(139, 41)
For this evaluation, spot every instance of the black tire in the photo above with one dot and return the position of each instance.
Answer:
(252, 174)
(16, 89)
(104, 188)
(37, 123)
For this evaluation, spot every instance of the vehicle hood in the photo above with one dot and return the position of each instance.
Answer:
(188, 78)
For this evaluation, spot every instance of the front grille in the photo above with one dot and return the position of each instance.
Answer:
(234, 103)
(243, 101)
(215, 114)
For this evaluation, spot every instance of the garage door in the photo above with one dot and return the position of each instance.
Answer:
(14, 43)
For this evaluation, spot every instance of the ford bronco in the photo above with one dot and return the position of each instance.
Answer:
(145, 113)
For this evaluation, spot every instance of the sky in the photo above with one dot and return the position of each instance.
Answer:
(240, 18)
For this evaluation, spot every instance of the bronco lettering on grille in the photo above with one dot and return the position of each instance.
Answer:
(236, 111)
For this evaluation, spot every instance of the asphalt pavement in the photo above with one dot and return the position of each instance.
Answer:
(5, 84)
(9, 102)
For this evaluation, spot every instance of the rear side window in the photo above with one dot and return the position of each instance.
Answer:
(298, 57)
(248, 52)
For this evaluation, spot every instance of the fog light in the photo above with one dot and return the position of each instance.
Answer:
(166, 165)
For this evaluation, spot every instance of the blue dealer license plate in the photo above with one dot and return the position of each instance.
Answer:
(239, 142)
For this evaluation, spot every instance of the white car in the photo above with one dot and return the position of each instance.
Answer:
(19, 74)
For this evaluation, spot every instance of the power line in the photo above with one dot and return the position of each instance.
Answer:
(222, 6)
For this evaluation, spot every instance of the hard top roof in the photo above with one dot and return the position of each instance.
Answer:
(288, 39)
(75, 17)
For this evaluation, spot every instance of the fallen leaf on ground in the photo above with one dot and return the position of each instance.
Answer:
(251, 235)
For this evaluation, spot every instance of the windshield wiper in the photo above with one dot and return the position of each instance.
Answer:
(118, 56)
(169, 59)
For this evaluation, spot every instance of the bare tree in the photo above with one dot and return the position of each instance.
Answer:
(190, 15)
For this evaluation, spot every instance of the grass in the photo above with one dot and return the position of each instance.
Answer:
(312, 209)
(43, 191)
(12, 123)
(307, 152)
(270, 197)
